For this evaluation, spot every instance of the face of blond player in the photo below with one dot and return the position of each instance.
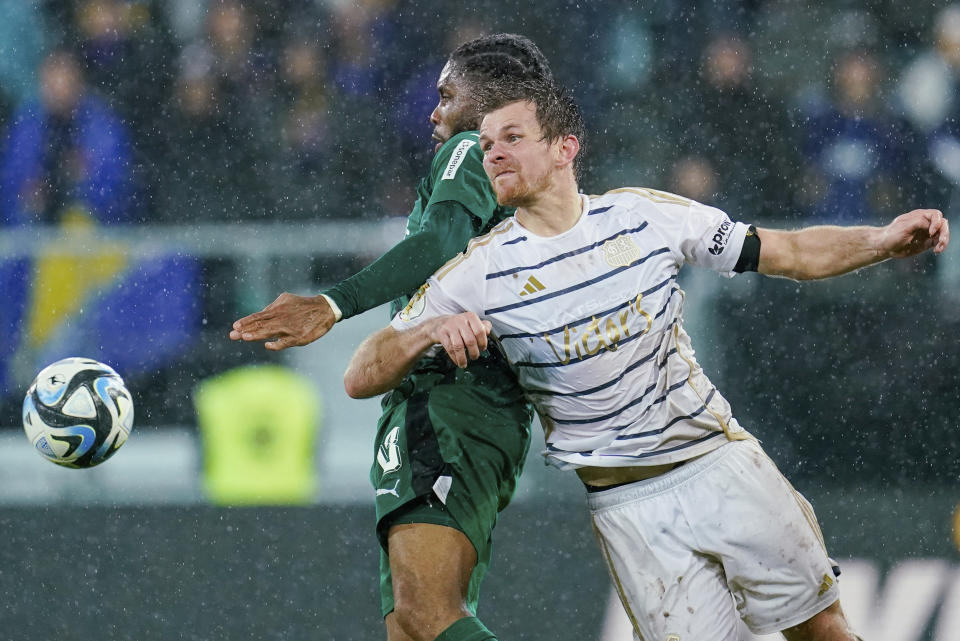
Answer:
(521, 165)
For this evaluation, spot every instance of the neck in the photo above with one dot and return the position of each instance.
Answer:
(554, 212)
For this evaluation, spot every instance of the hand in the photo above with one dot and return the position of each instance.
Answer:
(289, 321)
(463, 336)
(915, 232)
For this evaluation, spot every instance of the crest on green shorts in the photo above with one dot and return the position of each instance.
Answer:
(388, 454)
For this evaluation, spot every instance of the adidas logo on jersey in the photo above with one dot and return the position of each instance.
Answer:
(532, 286)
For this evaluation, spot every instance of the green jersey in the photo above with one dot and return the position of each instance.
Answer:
(456, 176)
(455, 202)
(457, 435)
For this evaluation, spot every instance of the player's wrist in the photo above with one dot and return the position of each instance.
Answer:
(337, 314)
(878, 241)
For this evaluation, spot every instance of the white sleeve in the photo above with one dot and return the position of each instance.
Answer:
(705, 236)
(453, 289)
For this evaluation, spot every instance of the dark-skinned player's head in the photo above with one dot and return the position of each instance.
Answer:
(473, 69)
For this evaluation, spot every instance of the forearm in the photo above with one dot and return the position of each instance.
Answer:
(819, 252)
(383, 359)
(406, 266)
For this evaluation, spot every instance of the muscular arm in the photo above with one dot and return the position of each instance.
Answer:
(293, 320)
(384, 358)
(408, 264)
(825, 251)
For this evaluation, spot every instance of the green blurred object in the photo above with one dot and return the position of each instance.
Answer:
(258, 424)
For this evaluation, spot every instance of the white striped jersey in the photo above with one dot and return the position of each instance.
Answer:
(590, 320)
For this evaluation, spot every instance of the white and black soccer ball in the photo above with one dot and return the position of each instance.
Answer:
(77, 412)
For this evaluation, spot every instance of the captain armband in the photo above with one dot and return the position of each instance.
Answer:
(749, 259)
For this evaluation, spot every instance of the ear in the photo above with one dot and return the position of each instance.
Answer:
(567, 150)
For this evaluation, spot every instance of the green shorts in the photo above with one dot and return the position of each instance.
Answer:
(449, 451)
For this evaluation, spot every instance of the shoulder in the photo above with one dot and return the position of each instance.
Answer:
(640, 197)
(479, 249)
(28, 113)
(641, 201)
(458, 150)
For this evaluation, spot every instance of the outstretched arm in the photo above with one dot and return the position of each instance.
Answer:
(293, 320)
(384, 358)
(288, 321)
(825, 251)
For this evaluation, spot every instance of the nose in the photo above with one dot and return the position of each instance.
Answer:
(495, 153)
(492, 158)
(435, 115)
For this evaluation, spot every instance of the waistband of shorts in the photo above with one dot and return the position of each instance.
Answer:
(648, 487)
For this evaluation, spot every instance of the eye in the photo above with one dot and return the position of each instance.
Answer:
(513, 137)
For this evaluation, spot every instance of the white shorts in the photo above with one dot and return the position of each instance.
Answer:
(721, 536)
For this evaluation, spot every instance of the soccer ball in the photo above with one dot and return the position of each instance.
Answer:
(77, 412)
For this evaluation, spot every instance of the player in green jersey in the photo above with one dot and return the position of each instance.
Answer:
(451, 443)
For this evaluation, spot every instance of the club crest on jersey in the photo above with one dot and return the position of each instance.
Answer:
(456, 158)
(621, 251)
(388, 454)
(720, 238)
(416, 305)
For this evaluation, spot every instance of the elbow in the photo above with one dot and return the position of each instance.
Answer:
(352, 390)
(355, 385)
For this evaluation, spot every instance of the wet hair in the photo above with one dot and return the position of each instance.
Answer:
(488, 59)
(557, 112)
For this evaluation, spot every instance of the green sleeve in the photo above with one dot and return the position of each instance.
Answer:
(409, 263)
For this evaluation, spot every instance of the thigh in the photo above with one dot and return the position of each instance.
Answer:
(766, 536)
(666, 586)
(447, 455)
(435, 561)
(828, 625)
(446, 541)
(431, 566)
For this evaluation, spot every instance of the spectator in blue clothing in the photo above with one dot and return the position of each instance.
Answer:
(928, 93)
(734, 138)
(928, 88)
(855, 148)
(67, 149)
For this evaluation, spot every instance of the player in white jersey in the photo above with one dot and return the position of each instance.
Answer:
(695, 522)
(590, 321)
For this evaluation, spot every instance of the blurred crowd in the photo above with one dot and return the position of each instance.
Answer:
(231, 111)
(183, 111)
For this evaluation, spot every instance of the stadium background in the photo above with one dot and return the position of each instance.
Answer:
(243, 149)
